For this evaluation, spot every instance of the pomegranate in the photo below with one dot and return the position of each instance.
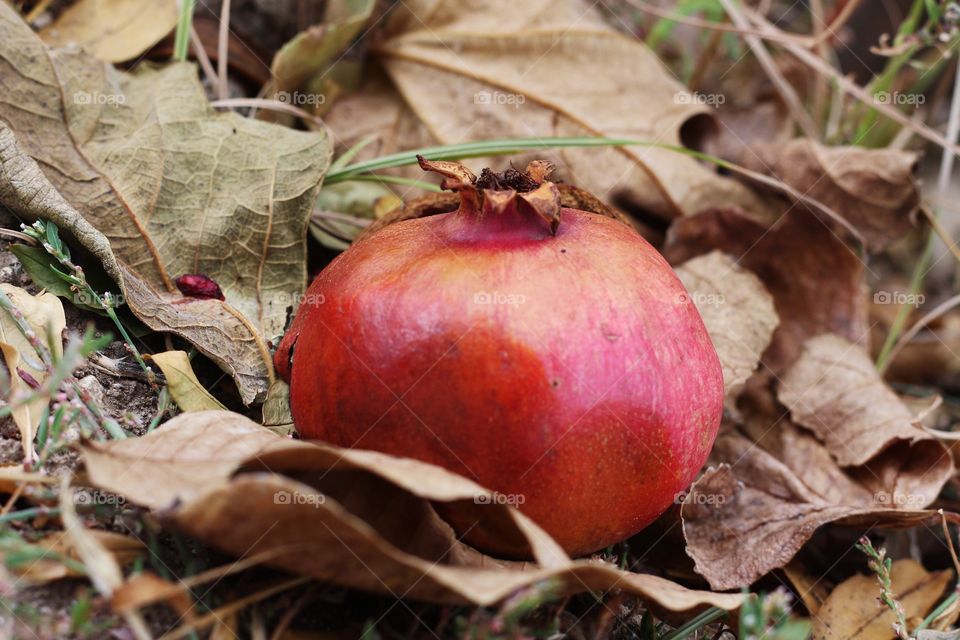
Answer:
(548, 353)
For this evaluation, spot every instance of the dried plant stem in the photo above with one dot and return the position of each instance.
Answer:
(921, 268)
(786, 91)
(201, 54)
(903, 313)
(270, 105)
(223, 50)
(858, 92)
(917, 327)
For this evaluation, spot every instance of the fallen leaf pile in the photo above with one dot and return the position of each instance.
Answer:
(356, 518)
(139, 171)
(147, 176)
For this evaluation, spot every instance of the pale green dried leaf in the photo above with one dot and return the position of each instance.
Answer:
(304, 63)
(113, 30)
(182, 382)
(43, 313)
(144, 173)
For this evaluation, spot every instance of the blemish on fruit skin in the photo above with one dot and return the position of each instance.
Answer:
(609, 333)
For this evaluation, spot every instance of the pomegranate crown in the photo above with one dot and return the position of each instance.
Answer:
(494, 193)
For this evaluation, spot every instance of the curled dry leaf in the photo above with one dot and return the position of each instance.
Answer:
(113, 30)
(834, 390)
(277, 415)
(873, 189)
(357, 518)
(44, 314)
(752, 513)
(182, 382)
(853, 612)
(737, 310)
(815, 279)
(99, 563)
(304, 63)
(147, 176)
(499, 69)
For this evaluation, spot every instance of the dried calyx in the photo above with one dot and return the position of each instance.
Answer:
(495, 193)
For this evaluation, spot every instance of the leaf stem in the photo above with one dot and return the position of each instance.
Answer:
(696, 623)
(181, 42)
(903, 313)
(32, 512)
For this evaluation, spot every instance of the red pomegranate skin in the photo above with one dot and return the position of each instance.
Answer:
(571, 373)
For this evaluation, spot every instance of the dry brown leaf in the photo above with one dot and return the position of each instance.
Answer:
(853, 612)
(815, 279)
(737, 311)
(113, 30)
(501, 69)
(357, 518)
(834, 390)
(305, 61)
(277, 415)
(744, 520)
(148, 587)
(812, 591)
(44, 314)
(873, 189)
(182, 382)
(102, 568)
(156, 184)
